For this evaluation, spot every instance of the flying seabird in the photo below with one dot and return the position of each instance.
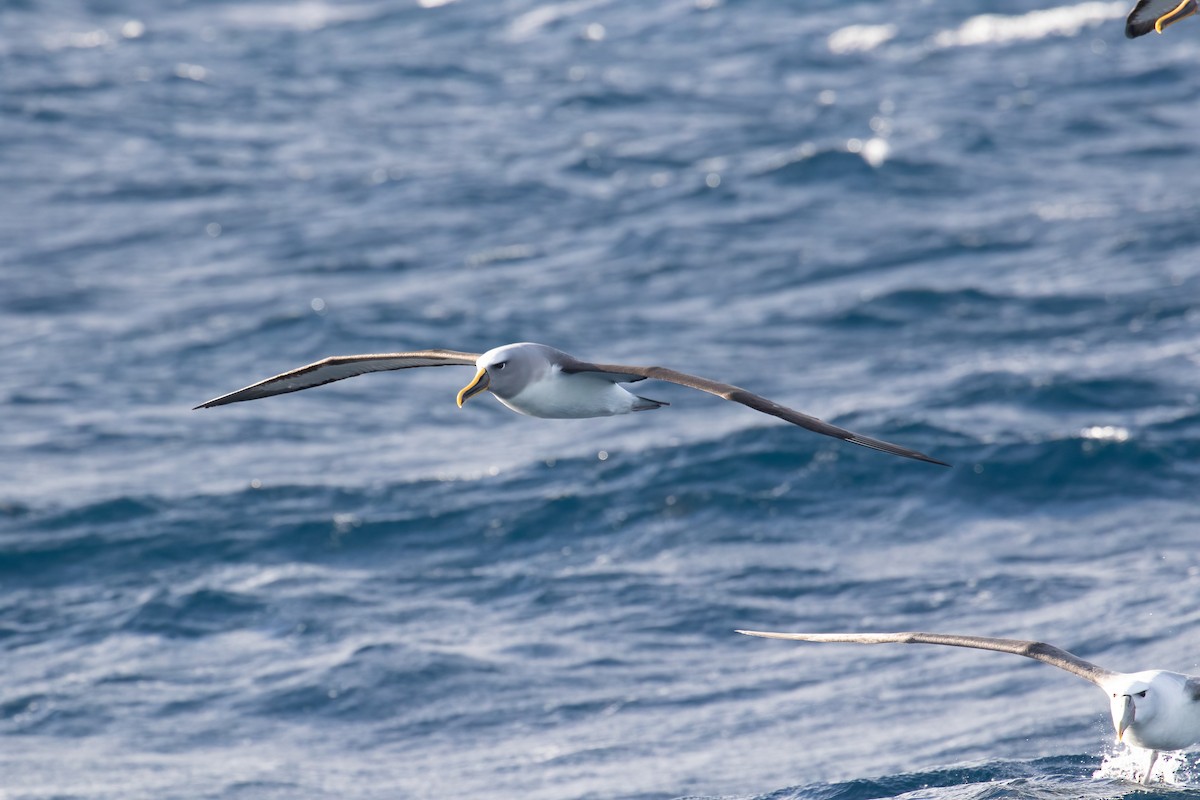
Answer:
(539, 381)
(1155, 710)
(1154, 15)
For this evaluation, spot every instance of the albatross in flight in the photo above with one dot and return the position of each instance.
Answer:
(1154, 15)
(1154, 710)
(539, 381)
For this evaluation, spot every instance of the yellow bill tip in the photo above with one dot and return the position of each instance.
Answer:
(478, 384)
(1184, 9)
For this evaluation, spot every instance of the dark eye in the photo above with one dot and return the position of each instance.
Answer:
(501, 365)
(1142, 693)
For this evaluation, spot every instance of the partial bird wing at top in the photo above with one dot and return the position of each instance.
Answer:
(1154, 15)
(626, 374)
(336, 368)
(1039, 651)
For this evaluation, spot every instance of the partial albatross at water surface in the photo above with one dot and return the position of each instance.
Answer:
(1154, 709)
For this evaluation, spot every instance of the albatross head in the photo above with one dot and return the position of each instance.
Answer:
(1155, 709)
(505, 371)
(1134, 703)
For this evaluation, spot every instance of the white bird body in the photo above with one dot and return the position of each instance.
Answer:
(545, 391)
(559, 396)
(1166, 715)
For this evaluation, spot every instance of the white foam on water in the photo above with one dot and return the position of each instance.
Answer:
(1129, 764)
(1060, 21)
(859, 38)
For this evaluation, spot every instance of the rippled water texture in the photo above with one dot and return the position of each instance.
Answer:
(972, 235)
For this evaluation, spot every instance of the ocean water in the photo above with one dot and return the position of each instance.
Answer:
(969, 228)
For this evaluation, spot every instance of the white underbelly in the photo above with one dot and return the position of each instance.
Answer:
(571, 397)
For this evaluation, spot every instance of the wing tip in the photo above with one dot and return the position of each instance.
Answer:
(896, 450)
(763, 634)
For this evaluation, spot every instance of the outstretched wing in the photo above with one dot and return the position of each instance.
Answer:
(1154, 15)
(1039, 651)
(335, 368)
(625, 374)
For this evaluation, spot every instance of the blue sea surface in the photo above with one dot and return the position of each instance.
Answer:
(970, 228)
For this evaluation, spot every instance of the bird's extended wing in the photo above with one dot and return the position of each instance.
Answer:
(1154, 15)
(625, 374)
(1039, 651)
(335, 368)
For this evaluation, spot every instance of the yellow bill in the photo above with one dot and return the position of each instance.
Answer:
(478, 384)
